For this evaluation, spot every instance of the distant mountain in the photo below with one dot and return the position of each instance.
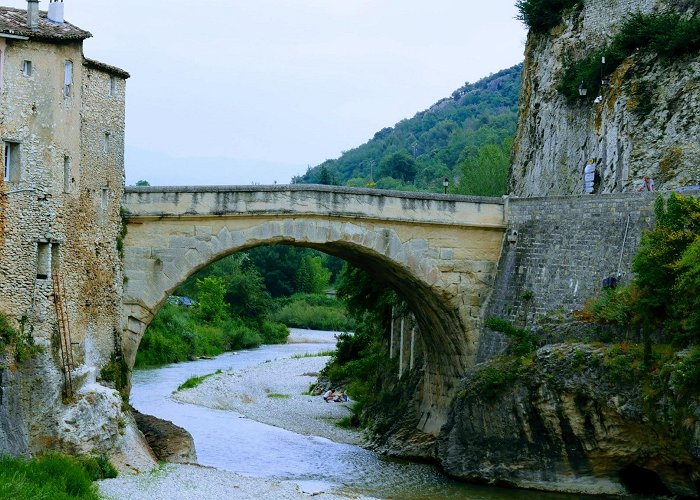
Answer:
(419, 152)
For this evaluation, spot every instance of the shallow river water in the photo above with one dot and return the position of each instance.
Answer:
(227, 440)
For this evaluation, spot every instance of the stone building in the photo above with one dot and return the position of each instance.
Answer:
(62, 133)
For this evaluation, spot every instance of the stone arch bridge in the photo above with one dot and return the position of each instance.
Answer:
(440, 252)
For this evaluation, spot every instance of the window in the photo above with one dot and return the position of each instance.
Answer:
(105, 198)
(105, 144)
(67, 179)
(43, 260)
(11, 161)
(27, 68)
(112, 86)
(67, 78)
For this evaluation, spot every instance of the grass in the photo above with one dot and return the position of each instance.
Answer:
(313, 312)
(277, 395)
(313, 354)
(348, 422)
(52, 477)
(194, 381)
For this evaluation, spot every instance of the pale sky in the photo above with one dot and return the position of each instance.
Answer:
(241, 92)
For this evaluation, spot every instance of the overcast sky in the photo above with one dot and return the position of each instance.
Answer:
(236, 92)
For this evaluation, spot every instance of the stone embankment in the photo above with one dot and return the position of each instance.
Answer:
(566, 424)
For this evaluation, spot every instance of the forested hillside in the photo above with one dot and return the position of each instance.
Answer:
(462, 137)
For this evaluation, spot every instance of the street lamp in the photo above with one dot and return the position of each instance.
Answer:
(445, 184)
(582, 90)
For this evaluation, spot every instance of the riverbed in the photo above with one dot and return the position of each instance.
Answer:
(225, 439)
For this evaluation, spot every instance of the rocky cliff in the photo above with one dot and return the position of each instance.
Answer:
(645, 122)
(575, 418)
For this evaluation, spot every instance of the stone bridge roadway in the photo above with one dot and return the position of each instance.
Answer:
(440, 252)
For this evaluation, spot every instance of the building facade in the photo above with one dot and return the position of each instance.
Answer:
(62, 133)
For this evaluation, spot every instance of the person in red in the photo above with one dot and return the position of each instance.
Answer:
(648, 184)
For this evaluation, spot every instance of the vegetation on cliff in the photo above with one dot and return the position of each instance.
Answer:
(18, 344)
(464, 137)
(540, 16)
(668, 36)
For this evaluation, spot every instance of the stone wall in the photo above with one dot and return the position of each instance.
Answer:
(559, 252)
(555, 139)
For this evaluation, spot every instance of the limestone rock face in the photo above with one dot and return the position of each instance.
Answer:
(646, 123)
(567, 427)
(168, 441)
(13, 430)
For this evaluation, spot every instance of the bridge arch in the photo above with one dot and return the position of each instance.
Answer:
(438, 252)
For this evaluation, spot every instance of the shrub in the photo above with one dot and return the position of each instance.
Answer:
(274, 333)
(116, 371)
(98, 467)
(522, 342)
(314, 312)
(488, 379)
(542, 15)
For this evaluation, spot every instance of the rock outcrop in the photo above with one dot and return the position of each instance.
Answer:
(564, 424)
(645, 123)
(168, 441)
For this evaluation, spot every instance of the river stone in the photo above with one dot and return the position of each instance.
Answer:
(168, 441)
(566, 426)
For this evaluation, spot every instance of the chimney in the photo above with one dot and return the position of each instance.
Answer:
(33, 14)
(56, 11)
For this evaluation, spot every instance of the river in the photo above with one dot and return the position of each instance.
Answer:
(229, 441)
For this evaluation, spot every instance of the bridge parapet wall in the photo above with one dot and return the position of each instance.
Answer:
(301, 199)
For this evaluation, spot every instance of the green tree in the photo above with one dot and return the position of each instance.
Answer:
(686, 306)
(245, 293)
(664, 265)
(142, 183)
(399, 165)
(325, 176)
(312, 276)
(487, 173)
(210, 306)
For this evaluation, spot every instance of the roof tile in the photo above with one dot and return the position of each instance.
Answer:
(14, 22)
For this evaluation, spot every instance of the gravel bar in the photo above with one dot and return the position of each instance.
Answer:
(273, 393)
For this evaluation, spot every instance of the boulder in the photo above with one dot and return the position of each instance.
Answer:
(168, 441)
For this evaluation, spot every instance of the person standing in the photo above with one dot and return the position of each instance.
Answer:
(589, 177)
(648, 184)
